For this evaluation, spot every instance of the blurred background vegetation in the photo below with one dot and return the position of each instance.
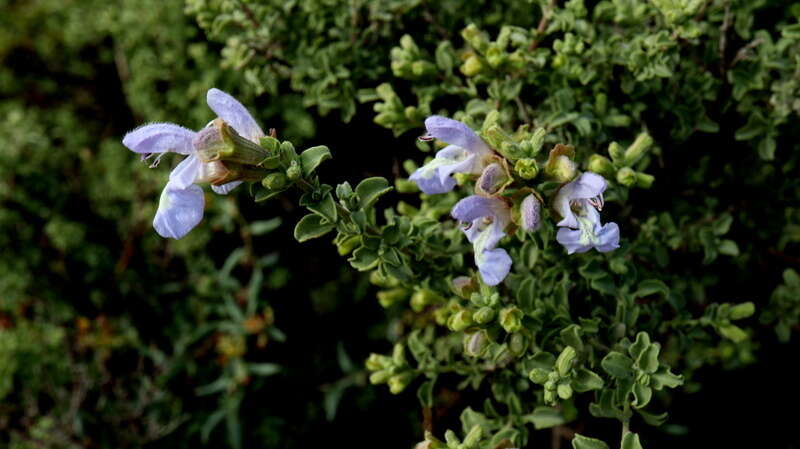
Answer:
(111, 337)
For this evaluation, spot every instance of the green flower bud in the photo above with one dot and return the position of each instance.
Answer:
(380, 377)
(221, 142)
(392, 296)
(560, 166)
(617, 153)
(294, 172)
(377, 278)
(626, 176)
(526, 168)
(405, 186)
(422, 68)
(475, 38)
(472, 66)
(347, 245)
(377, 362)
(740, 311)
(644, 180)
(483, 315)
(565, 360)
(495, 56)
(275, 181)
(399, 354)
(460, 320)
(511, 319)
(424, 297)
(399, 382)
(538, 376)
(564, 391)
(601, 165)
(270, 144)
(637, 149)
(518, 344)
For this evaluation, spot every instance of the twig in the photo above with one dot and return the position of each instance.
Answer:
(546, 13)
(742, 53)
(723, 36)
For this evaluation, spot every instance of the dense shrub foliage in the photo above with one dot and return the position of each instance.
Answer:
(679, 116)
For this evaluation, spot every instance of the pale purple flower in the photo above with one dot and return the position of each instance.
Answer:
(466, 153)
(579, 203)
(181, 205)
(485, 222)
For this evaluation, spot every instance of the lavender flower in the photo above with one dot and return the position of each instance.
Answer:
(181, 205)
(579, 203)
(530, 212)
(486, 220)
(467, 153)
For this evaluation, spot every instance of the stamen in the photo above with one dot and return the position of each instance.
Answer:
(597, 202)
(466, 226)
(156, 161)
(425, 138)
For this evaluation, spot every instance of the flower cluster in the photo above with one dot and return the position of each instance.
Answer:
(487, 214)
(182, 201)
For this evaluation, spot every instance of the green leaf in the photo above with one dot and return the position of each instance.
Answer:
(618, 365)
(630, 441)
(648, 359)
(425, 393)
(312, 157)
(370, 189)
(728, 248)
(732, 332)
(741, 311)
(364, 259)
(310, 227)
(582, 442)
(545, 417)
(653, 419)
(641, 344)
(641, 395)
(263, 369)
(665, 378)
(585, 380)
(650, 287)
(265, 226)
(326, 208)
(572, 336)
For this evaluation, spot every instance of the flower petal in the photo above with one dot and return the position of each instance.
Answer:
(455, 133)
(434, 177)
(159, 138)
(225, 189)
(573, 240)
(473, 207)
(186, 173)
(493, 265)
(607, 238)
(179, 210)
(234, 113)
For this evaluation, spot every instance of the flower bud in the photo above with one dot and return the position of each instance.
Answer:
(399, 382)
(511, 319)
(294, 172)
(473, 437)
(565, 360)
(493, 180)
(617, 153)
(377, 362)
(626, 176)
(530, 213)
(560, 166)
(475, 38)
(476, 343)
(518, 344)
(270, 144)
(472, 66)
(275, 181)
(601, 165)
(538, 376)
(423, 298)
(483, 315)
(388, 297)
(526, 168)
(464, 286)
(379, 377)
(644, 180)
(399, 355)
(460, 320)
(637, 149)
(564, 391)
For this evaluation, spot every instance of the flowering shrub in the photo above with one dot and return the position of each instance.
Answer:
(601, 199)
